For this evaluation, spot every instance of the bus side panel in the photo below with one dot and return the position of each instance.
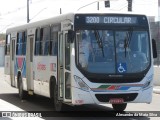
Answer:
(20, 66)
(44, 67)
(7, 69)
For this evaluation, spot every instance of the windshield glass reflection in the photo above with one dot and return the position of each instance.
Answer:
(109, 51)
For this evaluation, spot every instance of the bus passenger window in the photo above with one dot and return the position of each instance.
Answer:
(41, 43)
(46, 48)
(19, 44)
(37, 42)
(24, 37)
(45, 38)
(54, 40)
(53, 45)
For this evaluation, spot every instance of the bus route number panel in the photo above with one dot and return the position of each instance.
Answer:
(110, 20)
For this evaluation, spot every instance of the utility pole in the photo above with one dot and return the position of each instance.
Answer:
(27, 11)
(129, 5)
(97, 5)
(60, 10)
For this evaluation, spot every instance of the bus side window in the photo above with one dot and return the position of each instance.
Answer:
(54, 40)
(24, 37)
(37, 42)
(53, 44)
(7, 46)
(45, 38)
(19, 44)
(41, 42)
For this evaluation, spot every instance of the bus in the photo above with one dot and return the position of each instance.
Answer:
(83, 58)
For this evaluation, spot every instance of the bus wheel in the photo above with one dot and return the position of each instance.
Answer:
(22, 93)
(119, 107)
(58, 105)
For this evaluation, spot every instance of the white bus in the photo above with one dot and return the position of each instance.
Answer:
(81, 59)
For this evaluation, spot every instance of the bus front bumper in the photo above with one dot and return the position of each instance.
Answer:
(80, 97)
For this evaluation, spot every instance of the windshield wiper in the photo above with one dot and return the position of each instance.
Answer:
(99, 41)
(128, 39)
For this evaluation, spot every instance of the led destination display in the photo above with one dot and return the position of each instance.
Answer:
(110, 20)
(103, 21)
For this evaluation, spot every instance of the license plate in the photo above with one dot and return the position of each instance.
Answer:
(116, 100)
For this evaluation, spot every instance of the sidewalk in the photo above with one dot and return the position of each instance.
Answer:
(156, 88)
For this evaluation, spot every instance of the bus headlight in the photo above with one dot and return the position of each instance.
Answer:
(82, 85)
(146, 84)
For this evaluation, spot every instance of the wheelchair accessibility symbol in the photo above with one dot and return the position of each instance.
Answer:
(122, 68)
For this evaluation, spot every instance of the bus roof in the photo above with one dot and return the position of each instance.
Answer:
(41, 23)
(59, 19)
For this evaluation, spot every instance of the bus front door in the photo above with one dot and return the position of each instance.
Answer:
(64, 55)
(12, 62)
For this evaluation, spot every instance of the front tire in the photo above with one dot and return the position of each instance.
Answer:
(58, 105)
(119, 107)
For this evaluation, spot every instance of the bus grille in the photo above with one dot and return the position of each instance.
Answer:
(126, 97)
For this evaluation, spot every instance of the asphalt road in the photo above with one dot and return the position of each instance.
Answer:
(9, 101)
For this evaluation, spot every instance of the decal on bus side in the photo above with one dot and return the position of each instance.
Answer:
(41, 66)
(20, 65)
(53, 67)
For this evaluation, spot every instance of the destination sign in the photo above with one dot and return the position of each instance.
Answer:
(110, 20)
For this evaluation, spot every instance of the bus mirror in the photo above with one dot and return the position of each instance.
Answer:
(71, 35)
(154, 48)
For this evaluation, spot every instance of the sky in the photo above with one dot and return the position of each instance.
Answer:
(14, 12)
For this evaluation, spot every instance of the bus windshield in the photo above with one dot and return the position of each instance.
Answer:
(113, 51)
